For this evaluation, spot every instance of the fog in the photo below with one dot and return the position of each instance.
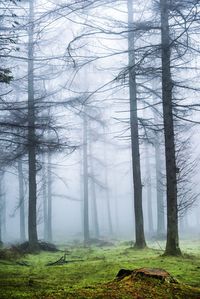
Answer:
(68, 103)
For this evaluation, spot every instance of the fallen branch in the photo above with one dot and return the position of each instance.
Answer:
(62, 261)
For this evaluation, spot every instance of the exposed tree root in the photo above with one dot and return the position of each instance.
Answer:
(62, 261)
(23, 263)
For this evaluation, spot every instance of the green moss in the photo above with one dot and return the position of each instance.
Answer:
(97, 266)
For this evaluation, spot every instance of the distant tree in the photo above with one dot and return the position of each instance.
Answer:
(93, 187)
(21, 200)
(8, 21)
(148, 185)
(86, 231)
(49, 198)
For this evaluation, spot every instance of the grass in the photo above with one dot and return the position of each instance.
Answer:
(92, 271)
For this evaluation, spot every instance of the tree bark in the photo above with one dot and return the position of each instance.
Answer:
(32, 209)
(93, 194)
(159, 192)
(85, 179)
(159, 180)
(139, 223)
(49, 187)
(172, 246)
(1, 210)
(21, 201)
(44, 195)
(149, 191)
(110, 226)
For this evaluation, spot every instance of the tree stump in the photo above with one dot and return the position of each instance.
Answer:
(156, 273)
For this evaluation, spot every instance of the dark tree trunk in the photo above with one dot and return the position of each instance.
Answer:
(85, 179)
(139, 223)
(49, 214)
(21, 201)
(172, 246)
(32, 209)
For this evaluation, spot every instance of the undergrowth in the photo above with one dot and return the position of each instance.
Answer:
(90, 271)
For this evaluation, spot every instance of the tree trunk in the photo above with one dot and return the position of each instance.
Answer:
(32, 209)
(85, 179)
(148, 191)
(49, 214)
(44, 195)
(21, 201)
(159, 179)
(159, 191)
(172, 246)
(1, 210)
(3, 214)
(93, 194)
(110, 227)
(139, 223)
(94, 206)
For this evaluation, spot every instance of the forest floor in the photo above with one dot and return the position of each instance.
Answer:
(90, 273)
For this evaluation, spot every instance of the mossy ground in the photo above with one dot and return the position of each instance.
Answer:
(93, 269)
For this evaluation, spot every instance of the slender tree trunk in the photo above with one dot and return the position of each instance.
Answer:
(139, 223)
(32, 209)
(85, 179)
(94, 205)
(159, 192)
(21, 201)
(159, 180)
(49, 214)
(81, 192)
(110, 227)
(172, 246)
(116, 207)
(1, 210)
(4, 215)
(149, 191)
(93, 194)
(44, 195)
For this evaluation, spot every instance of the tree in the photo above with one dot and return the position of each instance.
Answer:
(21, 200)
(1, 208)
(8, 21)
(32, 207)
(86, 231)
(172, 245)
(148, 181)
(139, 225)
(93, 189)
(49, 199)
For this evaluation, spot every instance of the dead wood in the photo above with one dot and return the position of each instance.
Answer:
(62, 261)
(156, 273)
